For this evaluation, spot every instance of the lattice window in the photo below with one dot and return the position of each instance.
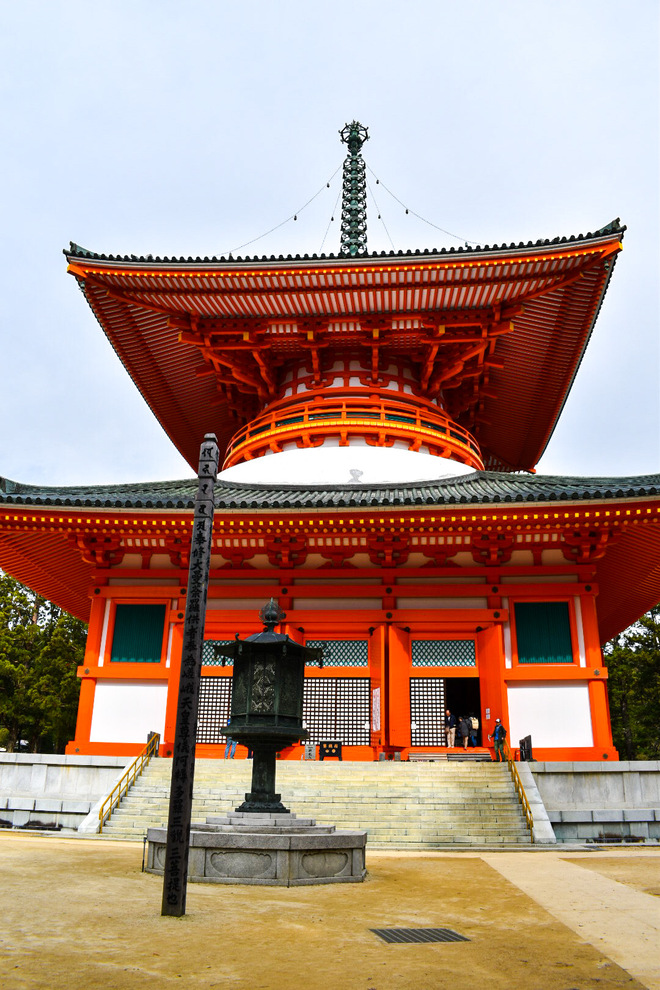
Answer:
(343, 652)
(443, 653)
(338, 708)
(210, 655)
(427, 711)
(214, 708)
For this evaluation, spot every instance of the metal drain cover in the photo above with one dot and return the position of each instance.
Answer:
(418, 935)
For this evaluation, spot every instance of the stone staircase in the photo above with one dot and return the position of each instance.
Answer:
(401, 805)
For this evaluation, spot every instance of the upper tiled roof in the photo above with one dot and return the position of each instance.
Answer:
(481, 487)
(175, 323)
(76, 251)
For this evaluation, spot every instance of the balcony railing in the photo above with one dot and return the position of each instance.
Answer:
(378, 420)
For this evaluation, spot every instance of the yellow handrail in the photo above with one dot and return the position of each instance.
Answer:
(520, 790)
(127, 780)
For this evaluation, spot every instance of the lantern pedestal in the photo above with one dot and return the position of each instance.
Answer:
(262, 799)
(266, 849)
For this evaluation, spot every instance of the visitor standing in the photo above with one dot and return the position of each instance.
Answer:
(464, 729)
(450, 729)
(474, 728)
(498, 737)
(230, 748)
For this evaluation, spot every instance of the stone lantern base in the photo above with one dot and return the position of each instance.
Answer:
(273, 850)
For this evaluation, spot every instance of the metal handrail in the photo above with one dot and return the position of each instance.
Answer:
(520, 790)
(127, 780)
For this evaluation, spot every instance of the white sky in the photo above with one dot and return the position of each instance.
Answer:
(154, 126)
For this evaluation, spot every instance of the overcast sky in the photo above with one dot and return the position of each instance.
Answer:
(154, 126)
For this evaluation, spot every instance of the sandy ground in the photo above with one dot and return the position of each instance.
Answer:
(632, 871)
(81, 914)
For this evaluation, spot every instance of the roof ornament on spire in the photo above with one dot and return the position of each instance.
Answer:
(354, 192)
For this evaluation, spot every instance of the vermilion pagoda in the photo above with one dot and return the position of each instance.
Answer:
(380, 415)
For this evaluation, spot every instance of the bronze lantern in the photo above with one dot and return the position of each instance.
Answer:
(267, 702)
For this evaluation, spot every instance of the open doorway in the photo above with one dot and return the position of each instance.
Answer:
(462, 697)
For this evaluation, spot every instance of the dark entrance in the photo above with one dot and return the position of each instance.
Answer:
(462, 697)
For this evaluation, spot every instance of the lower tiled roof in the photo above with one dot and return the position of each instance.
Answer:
(481, 487)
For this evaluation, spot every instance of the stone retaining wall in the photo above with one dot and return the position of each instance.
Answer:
(601, 800)
(53, 789)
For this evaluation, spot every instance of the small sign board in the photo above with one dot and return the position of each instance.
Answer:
(328, 748)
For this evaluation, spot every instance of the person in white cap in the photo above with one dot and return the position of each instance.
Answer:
(498, 737)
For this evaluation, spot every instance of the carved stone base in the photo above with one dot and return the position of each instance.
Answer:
(274, 850)
(261, 803)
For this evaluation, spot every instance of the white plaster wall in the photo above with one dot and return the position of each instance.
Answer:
(334, 465)
(556, 714)
(127, 711)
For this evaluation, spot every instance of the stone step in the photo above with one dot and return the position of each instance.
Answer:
(342, 770)
(392, 830)
(415, 806)
(430, 810)
(137, 807)
(401, 842)
(421, 807)
(432, 794)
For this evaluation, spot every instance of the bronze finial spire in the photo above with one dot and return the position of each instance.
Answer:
(354, 192)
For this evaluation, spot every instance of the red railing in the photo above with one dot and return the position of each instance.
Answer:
(378, 419)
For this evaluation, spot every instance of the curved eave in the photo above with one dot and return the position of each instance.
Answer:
(140, 304)
(49, 564)
(491, 488)
(77, 252)
(37, 523)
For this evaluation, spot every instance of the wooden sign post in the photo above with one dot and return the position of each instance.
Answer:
(183, 764)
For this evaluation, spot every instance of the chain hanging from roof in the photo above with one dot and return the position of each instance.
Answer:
(354, 192)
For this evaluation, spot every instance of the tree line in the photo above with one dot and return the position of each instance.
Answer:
(40, 648)
(633, 663)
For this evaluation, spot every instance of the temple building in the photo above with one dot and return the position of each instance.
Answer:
(381, 416)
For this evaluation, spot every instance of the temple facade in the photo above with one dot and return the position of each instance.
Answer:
(381, 417)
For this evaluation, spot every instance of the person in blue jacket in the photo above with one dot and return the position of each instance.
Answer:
(498, 737)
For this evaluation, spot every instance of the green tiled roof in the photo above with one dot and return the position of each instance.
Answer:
(481, 487)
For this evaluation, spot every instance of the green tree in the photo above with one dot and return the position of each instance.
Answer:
(40, 648)
(633, 663)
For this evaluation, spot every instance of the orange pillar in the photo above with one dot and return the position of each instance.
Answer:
(85, 710)
(600, 711)
(377, 650)
(590, 631)
(494, 703)
(398, 688)
(88, 685)
(600, 720)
